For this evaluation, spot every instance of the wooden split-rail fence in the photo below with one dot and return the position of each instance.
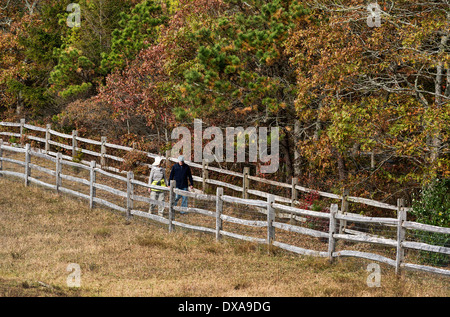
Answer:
(271, 206)
(103, 155)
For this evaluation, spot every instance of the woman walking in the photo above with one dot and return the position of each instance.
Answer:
(157, 177)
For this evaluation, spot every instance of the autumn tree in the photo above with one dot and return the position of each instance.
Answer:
(241, 74)
(373, 102)
(23, 63)
(137, 91)
(78, 73)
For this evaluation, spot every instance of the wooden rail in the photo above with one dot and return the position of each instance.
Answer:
(269, 207)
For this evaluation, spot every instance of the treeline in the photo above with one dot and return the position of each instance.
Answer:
(358, 106)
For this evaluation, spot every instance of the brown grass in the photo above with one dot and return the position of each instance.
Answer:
(42, 232)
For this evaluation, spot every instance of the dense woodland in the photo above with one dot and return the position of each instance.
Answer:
(363, 107)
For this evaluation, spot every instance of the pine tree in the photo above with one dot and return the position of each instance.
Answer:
(137, 30)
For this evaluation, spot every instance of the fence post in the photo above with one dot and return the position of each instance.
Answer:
(294, 197)
(22, 123)
(219, 209)
(58, 171)
(103, 152)
(294, 191)
(204, 175)
(401, 216)
(245, 182)
(332, 231)
(171, 203)
(130, 177)
(47, 138)
(344, 210)
(27, 163)
(270, 220)
(74, 144)
(91, 185)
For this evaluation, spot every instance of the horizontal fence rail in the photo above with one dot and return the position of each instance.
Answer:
(270, 210)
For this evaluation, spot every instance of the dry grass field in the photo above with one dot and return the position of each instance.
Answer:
(42, 232)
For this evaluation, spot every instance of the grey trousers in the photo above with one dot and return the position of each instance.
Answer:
(157, 196)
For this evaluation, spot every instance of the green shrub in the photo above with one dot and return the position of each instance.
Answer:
(433, 208)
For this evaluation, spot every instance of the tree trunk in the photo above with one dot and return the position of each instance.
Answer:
(436, 137)
(296, 140)
(287, 156)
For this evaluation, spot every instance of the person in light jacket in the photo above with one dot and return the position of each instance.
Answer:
(157, 177)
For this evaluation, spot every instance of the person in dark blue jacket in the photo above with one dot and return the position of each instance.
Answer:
(181, 173)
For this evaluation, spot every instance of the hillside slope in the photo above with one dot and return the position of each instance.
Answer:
(42, 232)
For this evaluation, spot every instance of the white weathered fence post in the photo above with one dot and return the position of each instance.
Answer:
(294, 191)
(130, 177)
(74, 144)
(401, 216)
(270, 220)
(27, 163)
(204, 175)
(92, 185)
(58, 171)
(47, 138)
(103, 152)
(332, 231)
(219, 209)
(294, 197)
(245, 182)
(171, 204)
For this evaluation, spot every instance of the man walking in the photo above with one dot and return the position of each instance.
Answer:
(181, 173)
(157, 177)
